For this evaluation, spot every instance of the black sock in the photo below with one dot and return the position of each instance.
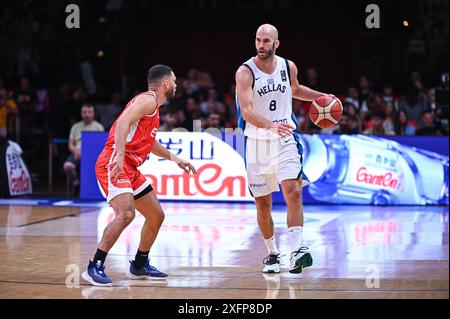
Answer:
(100, 255)
(141, 258)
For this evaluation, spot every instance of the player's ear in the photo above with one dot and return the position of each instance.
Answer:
(277, 44)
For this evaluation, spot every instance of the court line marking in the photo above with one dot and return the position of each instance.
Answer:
(47, 220)
(54, 218)
(228, 288)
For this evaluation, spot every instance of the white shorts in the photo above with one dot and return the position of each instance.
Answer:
(269, 162)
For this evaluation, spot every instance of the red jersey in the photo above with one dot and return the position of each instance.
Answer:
(141, 137)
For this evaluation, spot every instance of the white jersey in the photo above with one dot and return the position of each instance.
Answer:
(272, 98)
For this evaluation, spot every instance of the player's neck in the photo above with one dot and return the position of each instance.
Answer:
(267, 66)
(160, 96)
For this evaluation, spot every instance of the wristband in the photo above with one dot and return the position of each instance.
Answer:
(173, 157)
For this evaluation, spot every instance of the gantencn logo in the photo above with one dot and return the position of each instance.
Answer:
(208, 181)
(387, 180)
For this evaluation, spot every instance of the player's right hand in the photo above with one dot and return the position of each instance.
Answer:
(116, 167)
(77, 154)
(282, 129)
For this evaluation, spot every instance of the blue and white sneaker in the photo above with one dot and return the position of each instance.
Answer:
(95, 274)
(271, 264)
(144, 272)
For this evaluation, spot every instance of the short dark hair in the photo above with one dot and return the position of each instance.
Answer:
(88, 105)
(425, 112)
(157, 72)
(351, 117)
(378, 113)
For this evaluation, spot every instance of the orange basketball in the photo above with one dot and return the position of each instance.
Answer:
(326, 111)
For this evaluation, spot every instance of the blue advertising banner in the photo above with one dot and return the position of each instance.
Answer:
(93, 143)
(343, 169)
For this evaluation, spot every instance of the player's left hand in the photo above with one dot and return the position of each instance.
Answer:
(185, 165)
(332, 95)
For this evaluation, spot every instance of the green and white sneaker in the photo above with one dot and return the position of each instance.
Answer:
(272, 264)
(299, 259)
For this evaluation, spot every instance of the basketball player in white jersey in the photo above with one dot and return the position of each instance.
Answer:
(265, 86)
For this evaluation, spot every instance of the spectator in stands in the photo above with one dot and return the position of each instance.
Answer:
(312, 79)
(347, 125)
(409, 110)
(365, 90)
(430, 104)
(169, 122)
(353, 98)
(190, 84)
(212, 104)
(87, 124)
(213, 121)
(193, 112)
(180, 117)
(388, 96)
(40, 111)
(428, 127)
(376, 127)
(205, 81)
(374, 104)
(402, 124)
(26, 99)
(416, 97)
(390, 115)
(7, 107)
(353, 113)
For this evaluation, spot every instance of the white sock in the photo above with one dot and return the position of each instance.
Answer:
(295, 234)
(271, 246)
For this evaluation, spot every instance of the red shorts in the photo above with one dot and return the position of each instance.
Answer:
(130, 180)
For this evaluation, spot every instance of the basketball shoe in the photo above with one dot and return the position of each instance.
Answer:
(144, 272)
(272, 264)
(299, 259)
(95, 274)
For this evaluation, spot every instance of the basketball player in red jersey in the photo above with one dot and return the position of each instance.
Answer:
(131, 138)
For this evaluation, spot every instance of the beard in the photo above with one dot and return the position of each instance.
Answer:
(268, 53)
(170, 94)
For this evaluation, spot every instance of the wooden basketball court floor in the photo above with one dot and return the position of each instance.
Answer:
(215, 251)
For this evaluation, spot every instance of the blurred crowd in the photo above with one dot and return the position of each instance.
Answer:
(366, 109)
(378, 109)
(27, 112)
(42, 91)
